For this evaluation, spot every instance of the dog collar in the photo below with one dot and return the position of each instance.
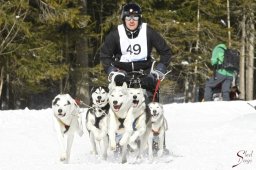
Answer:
(65, 125)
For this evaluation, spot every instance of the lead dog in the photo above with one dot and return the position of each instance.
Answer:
(158, 127)
(97, 121)
(67, 121)
(120, 117)
(139, 124)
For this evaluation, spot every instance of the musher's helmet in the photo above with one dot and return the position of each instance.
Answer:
(131, 9)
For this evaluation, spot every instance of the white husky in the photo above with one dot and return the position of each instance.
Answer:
(120, 117)
(67, 121)
(139, 124)
(158, 127)
(97, 121)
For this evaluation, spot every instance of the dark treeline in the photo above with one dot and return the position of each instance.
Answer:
(49, 46)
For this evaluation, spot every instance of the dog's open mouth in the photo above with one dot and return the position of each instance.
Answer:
(117, 107)
(62, 115)
(100, 101)
(135, 103)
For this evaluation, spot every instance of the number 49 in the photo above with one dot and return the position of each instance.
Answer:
(136, 49)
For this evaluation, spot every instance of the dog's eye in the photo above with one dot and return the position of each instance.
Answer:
(103, 92)
(120, 95)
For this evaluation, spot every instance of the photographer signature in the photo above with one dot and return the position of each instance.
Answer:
(244, 156)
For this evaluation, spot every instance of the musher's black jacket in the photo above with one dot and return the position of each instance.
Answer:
(111, 51)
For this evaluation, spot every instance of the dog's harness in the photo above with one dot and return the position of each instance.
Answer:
(67, 126)
(64, 124)
(156, 132)
(121, 123)
(121, 120)
(134, 123)
(98, 119)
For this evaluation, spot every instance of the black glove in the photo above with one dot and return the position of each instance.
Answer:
(117, 76)
(159, 72)
(119, 79)
(161, 67)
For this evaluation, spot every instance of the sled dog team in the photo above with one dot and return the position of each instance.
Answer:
(118, 120)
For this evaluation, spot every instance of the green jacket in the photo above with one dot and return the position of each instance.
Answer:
(218, 57)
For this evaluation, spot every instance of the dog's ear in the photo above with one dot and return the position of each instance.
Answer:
(125, 85)
(106, 89)
(92, 89)
(73, 104)
(55, 100)
(161, 106)
(111, 85)
(144, 91)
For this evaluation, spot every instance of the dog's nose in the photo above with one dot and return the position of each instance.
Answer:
(99, 97)
(134, 97)
(59, 110)
(115, 102)
(154, 112)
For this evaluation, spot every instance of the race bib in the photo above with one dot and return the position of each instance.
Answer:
(133, 49)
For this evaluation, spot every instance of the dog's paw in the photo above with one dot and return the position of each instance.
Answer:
(160, 153)
(80, 132)
(63, 157)
(93, 152)
(150, 158)
(123, 141)
(98, 138)
(133, 145)
(133, 138)
(113, 146)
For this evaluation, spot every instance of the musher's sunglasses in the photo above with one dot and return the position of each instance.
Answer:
(135, 18)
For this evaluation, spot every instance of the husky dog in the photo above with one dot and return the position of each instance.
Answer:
(158, 127)
(97, 121)
(120, 117)
(67, 121)
(139, 124)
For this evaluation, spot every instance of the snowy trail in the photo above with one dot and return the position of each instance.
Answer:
(204, 136)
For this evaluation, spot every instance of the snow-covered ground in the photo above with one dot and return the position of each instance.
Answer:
(201, 136)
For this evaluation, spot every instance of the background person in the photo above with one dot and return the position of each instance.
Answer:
(221, 78)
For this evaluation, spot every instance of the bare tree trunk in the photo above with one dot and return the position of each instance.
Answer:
(80, 76)
(194, 87)
(198, 25)
(1, 81)
(228, 20)
(242, 59)
(249, 84)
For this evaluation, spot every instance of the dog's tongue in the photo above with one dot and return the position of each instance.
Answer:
(135, 103)
(117, 107)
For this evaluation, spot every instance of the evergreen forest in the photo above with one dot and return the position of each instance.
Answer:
(49, 47)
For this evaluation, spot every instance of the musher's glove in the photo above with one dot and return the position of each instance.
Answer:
(160, 71)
